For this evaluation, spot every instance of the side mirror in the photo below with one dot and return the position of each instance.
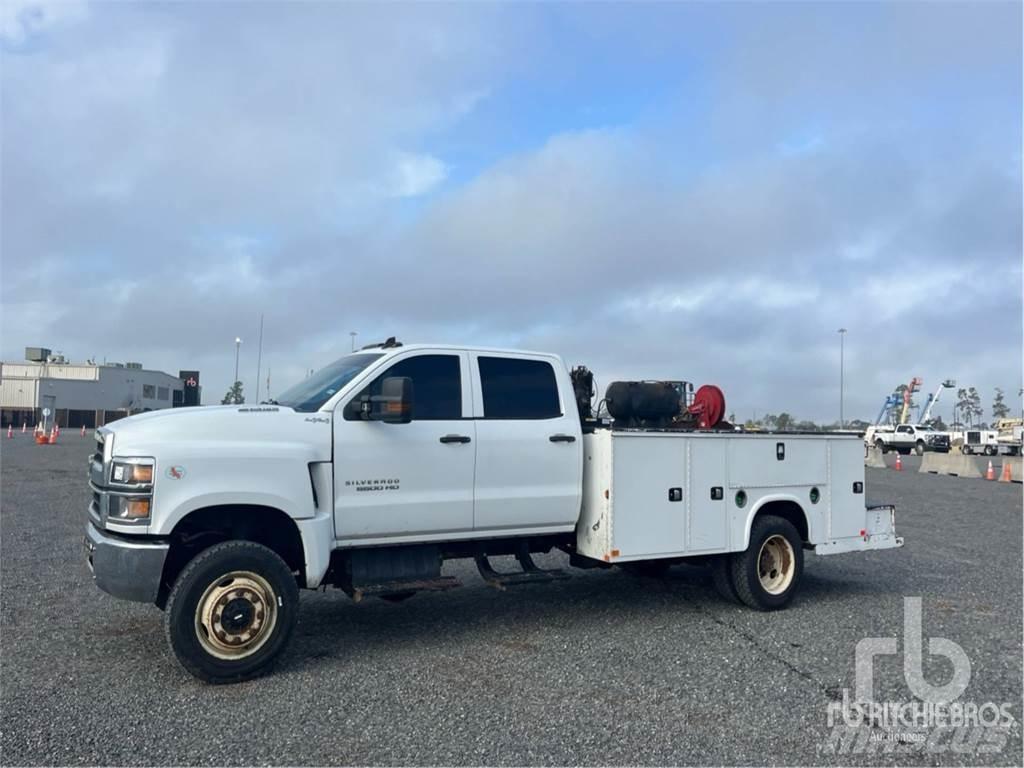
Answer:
(394, 403)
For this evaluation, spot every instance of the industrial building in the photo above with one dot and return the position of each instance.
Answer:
(86, 394)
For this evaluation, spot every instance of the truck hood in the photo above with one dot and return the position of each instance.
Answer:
(243, 428)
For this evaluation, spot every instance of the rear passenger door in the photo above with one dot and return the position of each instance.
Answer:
(529, 445)
(904, 435)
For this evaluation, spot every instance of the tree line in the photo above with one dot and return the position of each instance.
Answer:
(967, 411)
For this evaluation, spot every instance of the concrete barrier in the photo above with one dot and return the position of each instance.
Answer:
(949, 464)
(873, 458)
(1016, 465)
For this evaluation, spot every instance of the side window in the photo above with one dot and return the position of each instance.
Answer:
(436, 387)
(518, 389)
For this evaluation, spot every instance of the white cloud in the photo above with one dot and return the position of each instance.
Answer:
(413, 175)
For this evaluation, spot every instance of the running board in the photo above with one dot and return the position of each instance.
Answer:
(530, 574)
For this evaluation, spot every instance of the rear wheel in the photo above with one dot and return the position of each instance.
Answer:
(231, 612)
(767, 575)
(721, 578)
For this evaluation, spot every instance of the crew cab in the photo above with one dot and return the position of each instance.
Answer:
(371, 473)
(905, 438)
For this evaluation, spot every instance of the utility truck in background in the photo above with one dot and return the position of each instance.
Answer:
(1005, 439)
(371, 473)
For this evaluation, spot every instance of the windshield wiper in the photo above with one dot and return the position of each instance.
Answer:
(269, 402)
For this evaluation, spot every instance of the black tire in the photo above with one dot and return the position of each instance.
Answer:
(965, 450)
(881, 446)
(990, 451)
(721, 578)
(919, 448)
(746, 578)
(203, 577)
(651, 569)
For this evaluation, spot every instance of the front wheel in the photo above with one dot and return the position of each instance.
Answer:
(881, 446)
(966, 450)
(767, 574)
(231, 612)
(919, 448)
(990, 450)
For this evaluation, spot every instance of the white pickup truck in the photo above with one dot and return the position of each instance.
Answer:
(905, 438)
(369, 474)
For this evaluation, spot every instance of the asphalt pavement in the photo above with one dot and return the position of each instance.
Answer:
(604, 668)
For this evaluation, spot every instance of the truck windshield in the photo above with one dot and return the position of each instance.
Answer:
(310, 394)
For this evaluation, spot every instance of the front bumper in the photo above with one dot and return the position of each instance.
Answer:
(125, 568)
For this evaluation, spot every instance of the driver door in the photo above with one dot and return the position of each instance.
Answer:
(414, 479)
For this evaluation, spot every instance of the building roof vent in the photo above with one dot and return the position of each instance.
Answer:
(37, 354)
(134, 366)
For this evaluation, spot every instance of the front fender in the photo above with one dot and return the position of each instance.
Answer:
(279, 481)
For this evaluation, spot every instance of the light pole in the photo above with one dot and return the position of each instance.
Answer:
(238, 346)
(353, 334)
(842, 363)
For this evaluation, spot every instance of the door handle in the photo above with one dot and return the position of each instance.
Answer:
(562, 438)
(455, 439)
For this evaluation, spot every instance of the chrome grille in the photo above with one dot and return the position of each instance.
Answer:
(96, 508)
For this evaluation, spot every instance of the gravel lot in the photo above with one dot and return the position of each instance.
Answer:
(603, 668)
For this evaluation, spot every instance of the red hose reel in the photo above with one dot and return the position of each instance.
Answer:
(708, 406)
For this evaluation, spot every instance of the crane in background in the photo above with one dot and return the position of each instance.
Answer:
(908, 394)
(884, 415)
(933, 399)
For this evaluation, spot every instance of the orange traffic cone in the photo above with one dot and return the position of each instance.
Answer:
(83, 430)
(53, 435)
(899, 463)
(990, 473)
(1007, 476)
(24, 426)
(10, 431)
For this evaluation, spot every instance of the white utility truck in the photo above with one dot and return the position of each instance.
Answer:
(369, 474)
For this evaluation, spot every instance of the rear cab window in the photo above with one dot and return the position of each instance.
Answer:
(516, 388)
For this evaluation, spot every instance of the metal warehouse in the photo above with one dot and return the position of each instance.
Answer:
(86, 394)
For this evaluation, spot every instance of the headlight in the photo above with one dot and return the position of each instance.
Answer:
(131, 472)
(128, 508)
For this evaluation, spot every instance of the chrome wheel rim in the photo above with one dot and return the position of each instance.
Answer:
(776, 563)
(236, 615)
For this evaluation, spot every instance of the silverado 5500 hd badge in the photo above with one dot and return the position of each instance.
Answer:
(391, 484)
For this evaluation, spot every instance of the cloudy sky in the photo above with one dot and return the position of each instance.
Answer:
(699, 191)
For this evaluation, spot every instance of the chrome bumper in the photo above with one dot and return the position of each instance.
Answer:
(127, 569)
